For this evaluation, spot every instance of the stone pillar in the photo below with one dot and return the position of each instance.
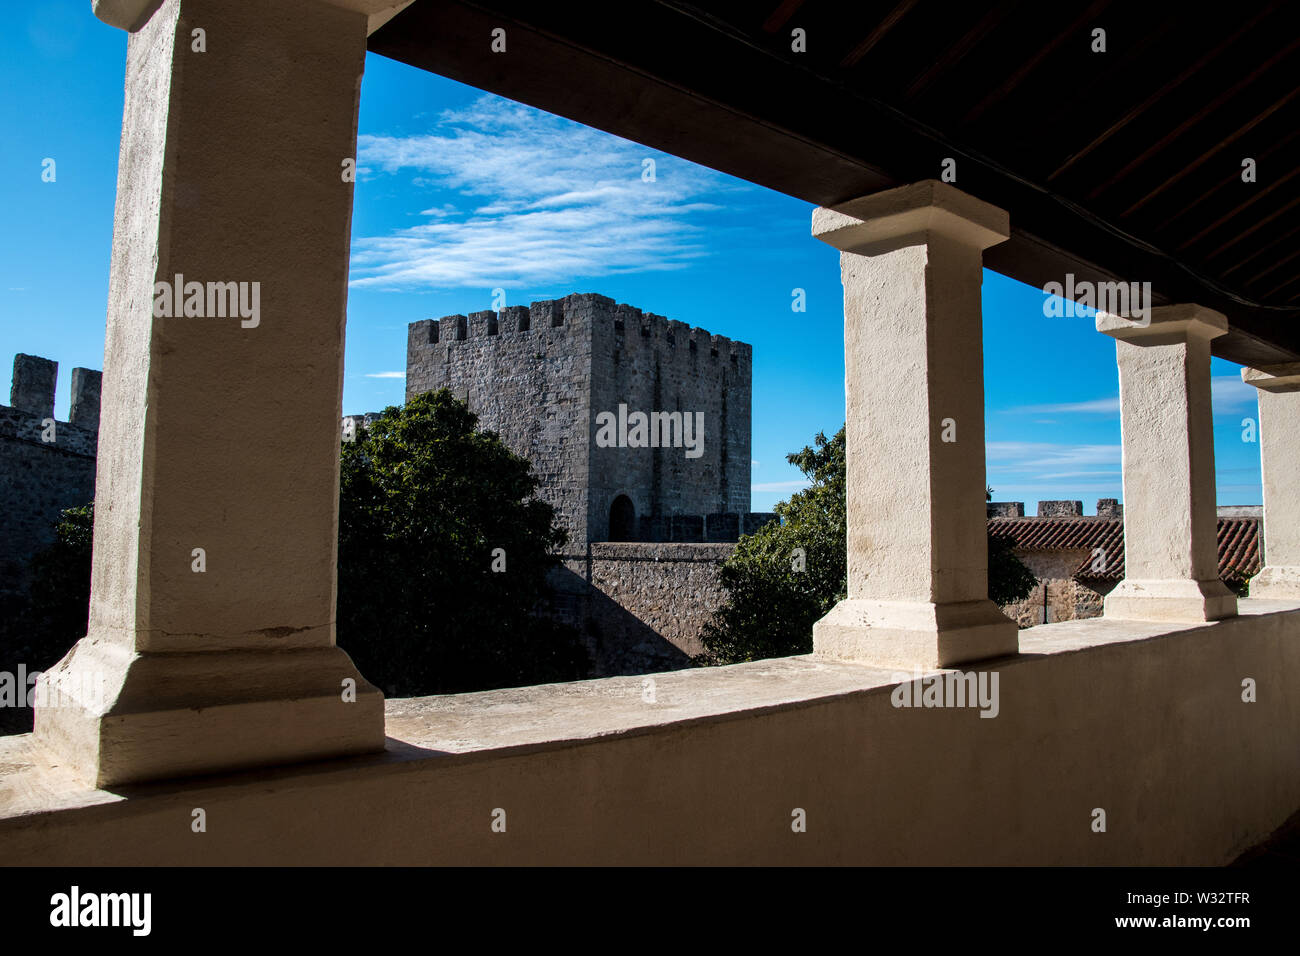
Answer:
(32, 388)
(911, 262)
(1171, 558)
(1279, 460)
(211, 636)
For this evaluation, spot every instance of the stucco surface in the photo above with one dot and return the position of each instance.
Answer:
(1144, 720)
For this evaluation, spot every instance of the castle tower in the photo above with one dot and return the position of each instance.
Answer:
(563, 383)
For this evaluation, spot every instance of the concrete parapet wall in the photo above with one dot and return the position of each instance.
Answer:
(706, 766)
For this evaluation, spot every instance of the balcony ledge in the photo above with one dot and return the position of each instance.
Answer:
(454, 734)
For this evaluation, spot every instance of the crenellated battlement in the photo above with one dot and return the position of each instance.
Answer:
(31, 406)
(626, 328)
(540, 375)
(46, 465)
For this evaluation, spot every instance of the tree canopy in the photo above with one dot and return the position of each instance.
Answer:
(785, 577)
(444, 551)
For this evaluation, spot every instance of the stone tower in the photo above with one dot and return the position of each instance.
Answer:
(562, 382)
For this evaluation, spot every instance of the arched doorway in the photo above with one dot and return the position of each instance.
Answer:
(622, 519)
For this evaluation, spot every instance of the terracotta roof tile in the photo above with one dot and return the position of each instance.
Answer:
(1239, 543)
(1053, 534)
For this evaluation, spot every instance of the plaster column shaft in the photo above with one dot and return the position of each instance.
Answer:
(1279, 459)
(1171, 557)
(211, 636)
(911, 261)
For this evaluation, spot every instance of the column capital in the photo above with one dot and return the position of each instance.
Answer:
(907, 216)
(1168, 324)
(1274, 378)
(131, 15)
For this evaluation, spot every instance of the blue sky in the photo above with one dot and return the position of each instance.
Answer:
(459, 193)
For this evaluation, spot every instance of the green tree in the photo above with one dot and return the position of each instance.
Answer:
(425, 503)
(786, 576)
(1009, 579)
(444, 551)
(40, 625)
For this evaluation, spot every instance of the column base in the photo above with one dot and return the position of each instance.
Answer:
(1276, 582)
(113, 715)
(1175, 600)
(914, 635)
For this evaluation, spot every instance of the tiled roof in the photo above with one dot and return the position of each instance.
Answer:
(1239, 550)
(1056, 534)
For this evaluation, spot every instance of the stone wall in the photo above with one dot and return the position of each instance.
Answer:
(1067, 598)
(649, 364)
(540, 375)
(641, 606)
(527, 375)
(1060, 509)
(38, 477)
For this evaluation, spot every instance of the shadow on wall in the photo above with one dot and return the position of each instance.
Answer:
(618, 642)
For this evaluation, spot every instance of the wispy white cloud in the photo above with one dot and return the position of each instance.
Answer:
(1103, 406)
(1021, 456)
(1229, 393)
(1058, 475)
(385, 375)
(797, 484)
(542, 200)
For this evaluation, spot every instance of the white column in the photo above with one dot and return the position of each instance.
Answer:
(911, 261)
(1279, 461)
(211, 637)
(1171, 557)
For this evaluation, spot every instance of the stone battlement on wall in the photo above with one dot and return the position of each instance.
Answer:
(576, 313)
(31, 406)
(45, 465)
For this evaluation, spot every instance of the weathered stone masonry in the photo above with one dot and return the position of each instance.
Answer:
(539, 376)
(40, 478)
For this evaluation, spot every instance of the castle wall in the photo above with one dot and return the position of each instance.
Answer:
(540, 375)
(641, 607)
(651, 364)
(526, 375)
(39, 478)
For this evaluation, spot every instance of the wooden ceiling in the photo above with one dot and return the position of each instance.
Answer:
(1123, 165)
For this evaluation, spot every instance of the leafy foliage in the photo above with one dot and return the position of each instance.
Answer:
(771, 607)
(41, 625)
(1009, 579)
(425, 502)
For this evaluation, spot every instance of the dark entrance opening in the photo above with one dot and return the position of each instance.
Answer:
(622, 519)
